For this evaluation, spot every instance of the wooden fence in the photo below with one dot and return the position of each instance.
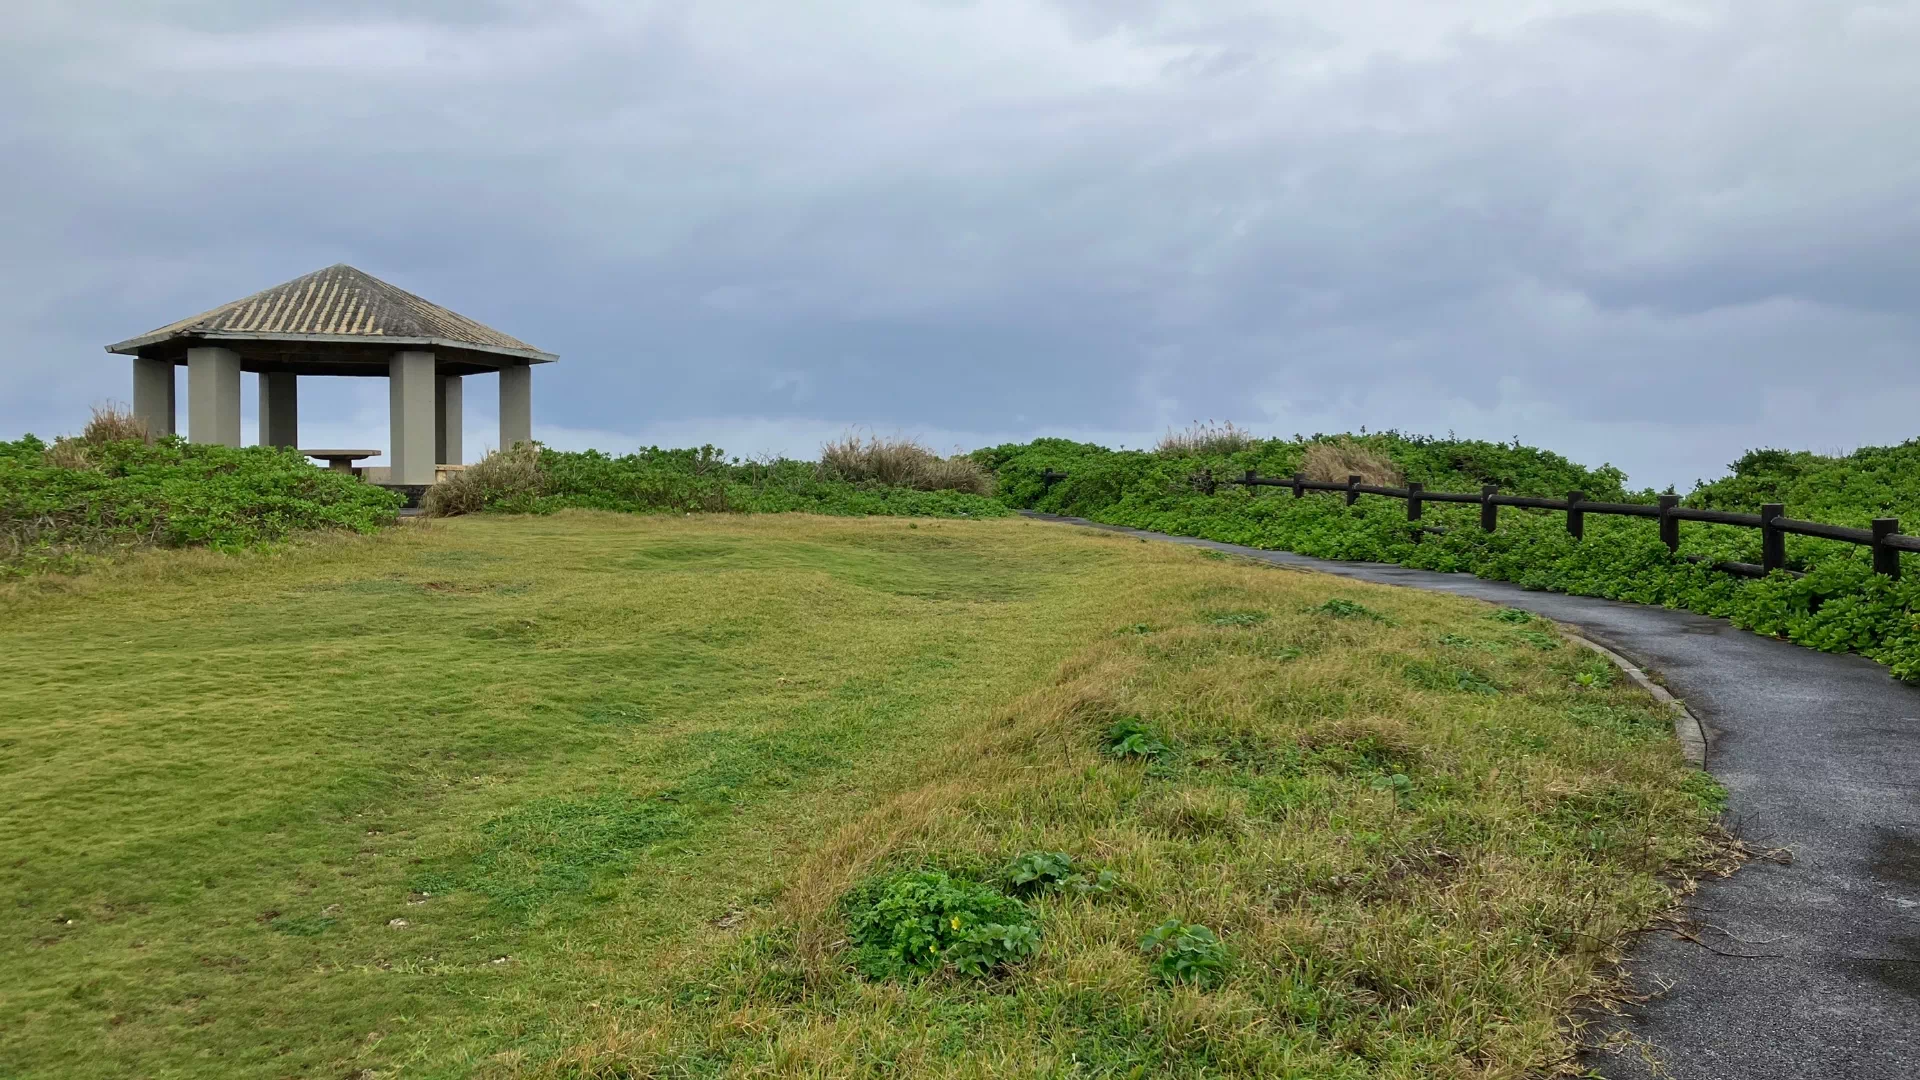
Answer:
(1885, 537)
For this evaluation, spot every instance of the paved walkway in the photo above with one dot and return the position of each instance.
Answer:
(1821, 756)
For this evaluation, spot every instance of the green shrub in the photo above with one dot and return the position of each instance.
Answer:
(540, 480)
(919, 921)
(96, 497)
(1186, 953)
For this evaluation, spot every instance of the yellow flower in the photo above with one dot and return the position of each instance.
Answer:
(956, 922)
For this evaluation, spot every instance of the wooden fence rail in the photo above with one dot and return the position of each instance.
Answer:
(1885, 537)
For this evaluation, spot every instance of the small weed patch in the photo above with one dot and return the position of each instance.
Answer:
(1340, 608)
(1538, 639)
(1186, 953)
(1595, 672)
(919, 921)
(1131, 737)
(1039, 872)
(1437, 677)
(1400, 784)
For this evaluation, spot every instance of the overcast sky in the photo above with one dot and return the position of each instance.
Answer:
(1654, 233)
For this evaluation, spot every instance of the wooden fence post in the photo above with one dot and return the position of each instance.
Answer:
(1576, 519)
(1415, 489)
(1669, 525)
(1299, 484)
(1353, 493)
(1489, 510)
(1886, 560)
(1773, 542)
(1251, 477)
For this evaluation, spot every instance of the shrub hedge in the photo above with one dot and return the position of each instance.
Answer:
(1839, 605)
(704, 479)
(58, 509)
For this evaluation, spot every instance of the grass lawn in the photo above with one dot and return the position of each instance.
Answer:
(581, 795)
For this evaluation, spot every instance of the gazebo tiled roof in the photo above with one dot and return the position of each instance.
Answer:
(330, 319)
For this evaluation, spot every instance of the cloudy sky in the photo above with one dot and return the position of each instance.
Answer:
(1653, 233)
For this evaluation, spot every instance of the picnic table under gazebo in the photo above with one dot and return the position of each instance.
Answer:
(341, 460)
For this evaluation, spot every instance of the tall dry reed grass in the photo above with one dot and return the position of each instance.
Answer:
(1333, 462)
(109, 424)
(1206, 438)
(902, 462)
(501, 474)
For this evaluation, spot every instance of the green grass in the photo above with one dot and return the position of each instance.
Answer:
(583, 795)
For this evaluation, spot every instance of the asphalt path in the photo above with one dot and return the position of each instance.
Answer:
(1802, 968)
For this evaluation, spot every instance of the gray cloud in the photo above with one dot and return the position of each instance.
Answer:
(1654, 233)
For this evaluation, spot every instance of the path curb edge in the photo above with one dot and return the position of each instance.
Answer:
(1686, 726)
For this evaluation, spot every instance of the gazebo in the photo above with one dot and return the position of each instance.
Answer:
(336, 321)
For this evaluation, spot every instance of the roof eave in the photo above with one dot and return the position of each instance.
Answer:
(132, 346)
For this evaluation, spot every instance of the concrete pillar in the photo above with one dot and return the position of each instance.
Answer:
(279, 409)
(411, 386)
(516, 405)
(446, 421)
(153, 395)
(213, 396)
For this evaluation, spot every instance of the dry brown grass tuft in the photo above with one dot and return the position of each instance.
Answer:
(110, 423)
(1207, 438)
(956, 473)
(902, 462)
(1333, 462)
(501, 474)
(68, 452)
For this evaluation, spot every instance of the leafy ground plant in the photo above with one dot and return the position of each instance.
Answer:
(1038, 872)
(919, 921)
(1341, 608)
(1131, 737)
(1186, 953)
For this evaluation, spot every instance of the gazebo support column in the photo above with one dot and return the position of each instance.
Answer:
(153, 395)
(279, 409)
(516, 405)
(446, 421)
(411, 398)
(213, 396)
